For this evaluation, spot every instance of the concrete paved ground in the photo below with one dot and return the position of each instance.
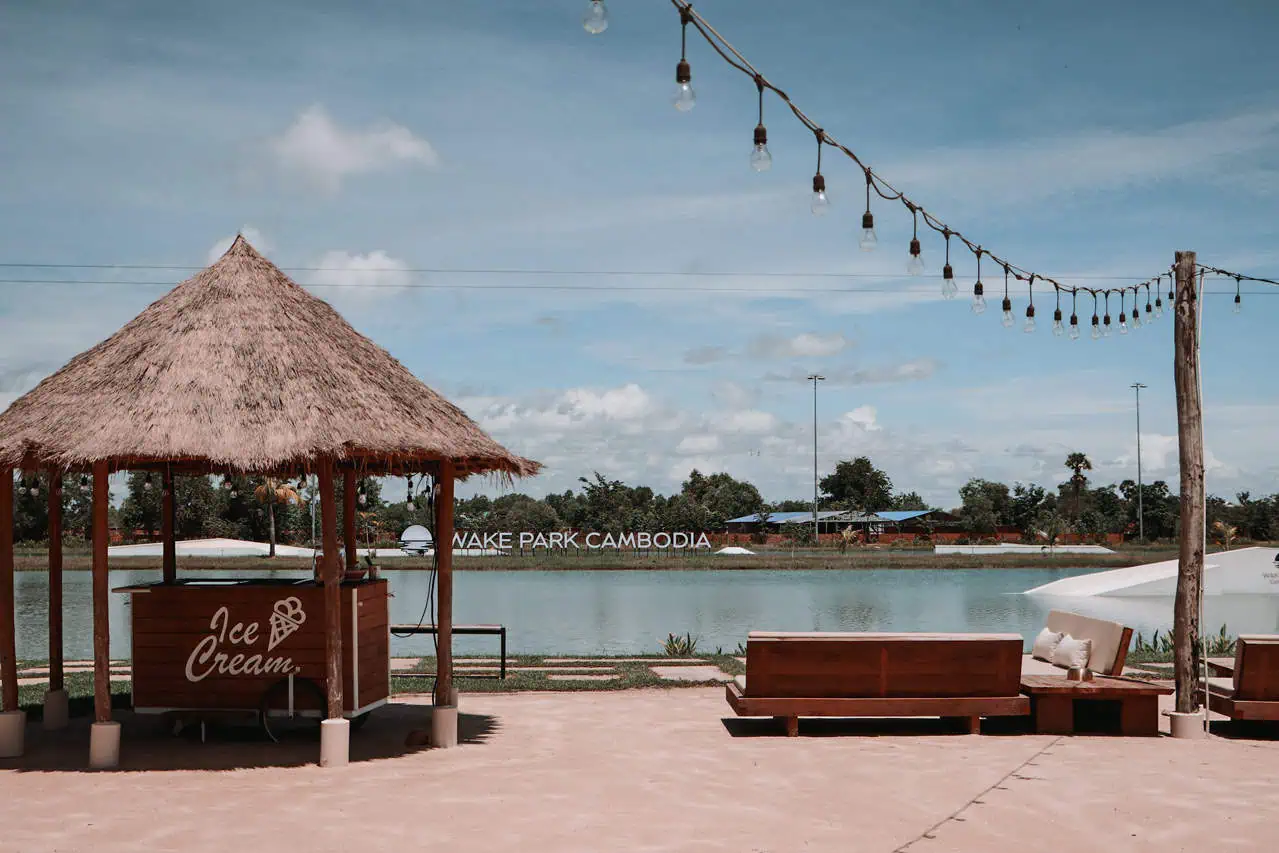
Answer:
(642, 770)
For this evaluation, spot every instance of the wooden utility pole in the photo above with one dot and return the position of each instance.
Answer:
(1186, 628)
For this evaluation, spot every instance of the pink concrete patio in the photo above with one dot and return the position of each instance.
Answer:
(645, 770)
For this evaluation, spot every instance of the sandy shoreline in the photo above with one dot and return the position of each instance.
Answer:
(645, 770)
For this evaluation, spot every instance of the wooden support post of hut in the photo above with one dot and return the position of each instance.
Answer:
(278, 404)
(168, 528)
(444, 711)
(56, 704)
(104, 735)
(348, 518)
(13, 723)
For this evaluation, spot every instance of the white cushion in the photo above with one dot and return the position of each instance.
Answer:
(1071, 652)
(1045, 643)
(1107, 637)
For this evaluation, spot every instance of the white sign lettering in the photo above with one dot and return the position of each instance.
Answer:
(566, 539)
(209, 656)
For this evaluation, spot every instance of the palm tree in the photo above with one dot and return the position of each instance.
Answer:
(1078, 463)
(274, 492)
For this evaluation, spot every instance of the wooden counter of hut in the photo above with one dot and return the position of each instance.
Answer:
(235, 371)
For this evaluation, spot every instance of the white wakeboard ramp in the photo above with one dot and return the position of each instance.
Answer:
(1247, 571)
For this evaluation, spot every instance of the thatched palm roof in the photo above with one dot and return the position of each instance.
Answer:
(239, 368)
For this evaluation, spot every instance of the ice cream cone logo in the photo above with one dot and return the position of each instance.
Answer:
(286, 617)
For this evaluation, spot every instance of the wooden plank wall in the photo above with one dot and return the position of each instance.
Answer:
(169, 623)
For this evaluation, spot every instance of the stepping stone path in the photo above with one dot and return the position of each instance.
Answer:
(691, 673)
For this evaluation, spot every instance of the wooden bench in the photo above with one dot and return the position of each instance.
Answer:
(960, 676)
(1252, 693)
(491, 630)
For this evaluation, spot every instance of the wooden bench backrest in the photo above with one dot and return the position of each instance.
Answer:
(1257, 667)
(1110, 640)
(832, 665)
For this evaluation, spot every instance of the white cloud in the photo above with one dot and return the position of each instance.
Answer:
(253, 235)
(373, 274)
(693, 444)
(805, 345)
(906, 371)
(324, 153)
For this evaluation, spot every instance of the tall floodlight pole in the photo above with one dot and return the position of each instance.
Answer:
(1141, 516)
(815, 378)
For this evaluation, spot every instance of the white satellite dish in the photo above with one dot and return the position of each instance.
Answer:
(416, 539)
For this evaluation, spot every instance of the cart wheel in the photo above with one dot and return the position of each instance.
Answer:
(303, 717)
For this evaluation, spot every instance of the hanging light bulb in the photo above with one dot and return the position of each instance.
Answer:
(1105, 328)
(1123, 323)
(146, 483)
(761, 160)
(364, 499)
(915, 265)
(595, 21)
(1074, 327)
(235, 493)
(1058, 328)
(1096, 328)
(1030, 306)
(948, 286)
(979, 298)
(684, 97)
(820, 203)
(1134, 322)
(869, 240)
(1007, 318)
(1238, 309)
(979, 290)
(1159, 307)
(35, 487)
(84, 480)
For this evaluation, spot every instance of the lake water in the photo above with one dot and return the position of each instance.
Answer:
(624, 612)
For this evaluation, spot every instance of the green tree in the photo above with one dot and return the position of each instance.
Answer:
(1027, 503)
(986, 505)
(272, 493)
(30, 512)
(1078, 463)
(722, 495)
(142, 504)
(908, 500)
(858, 485)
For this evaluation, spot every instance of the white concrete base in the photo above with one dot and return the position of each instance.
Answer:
(13, 732)
(335, 743)
(444, 726)
(56, 711)
(104, 745)
(1186, 725)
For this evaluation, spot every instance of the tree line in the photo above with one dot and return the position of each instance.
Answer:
(281, 511)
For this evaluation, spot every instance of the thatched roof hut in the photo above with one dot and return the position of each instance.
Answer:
(239, 368)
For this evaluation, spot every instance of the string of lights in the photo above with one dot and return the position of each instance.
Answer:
(596, 20)
(1239, 280)
(418, 285)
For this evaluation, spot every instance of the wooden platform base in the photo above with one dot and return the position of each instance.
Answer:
(1242, 709)
(966, 709)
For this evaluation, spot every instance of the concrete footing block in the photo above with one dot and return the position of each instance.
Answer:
(444, 726)
(335, 743)
(57, 713)
(13, 732)
(104, 745)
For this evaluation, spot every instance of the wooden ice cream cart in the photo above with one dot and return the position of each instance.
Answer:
(256, 646)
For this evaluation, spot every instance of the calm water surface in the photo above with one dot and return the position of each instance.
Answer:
(619, 612)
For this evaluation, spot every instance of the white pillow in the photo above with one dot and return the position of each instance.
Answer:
(1045, 643)
(1072, 653)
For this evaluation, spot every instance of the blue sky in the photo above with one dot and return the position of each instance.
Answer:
(377, 139)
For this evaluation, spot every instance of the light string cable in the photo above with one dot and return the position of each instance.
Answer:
(874, 180)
